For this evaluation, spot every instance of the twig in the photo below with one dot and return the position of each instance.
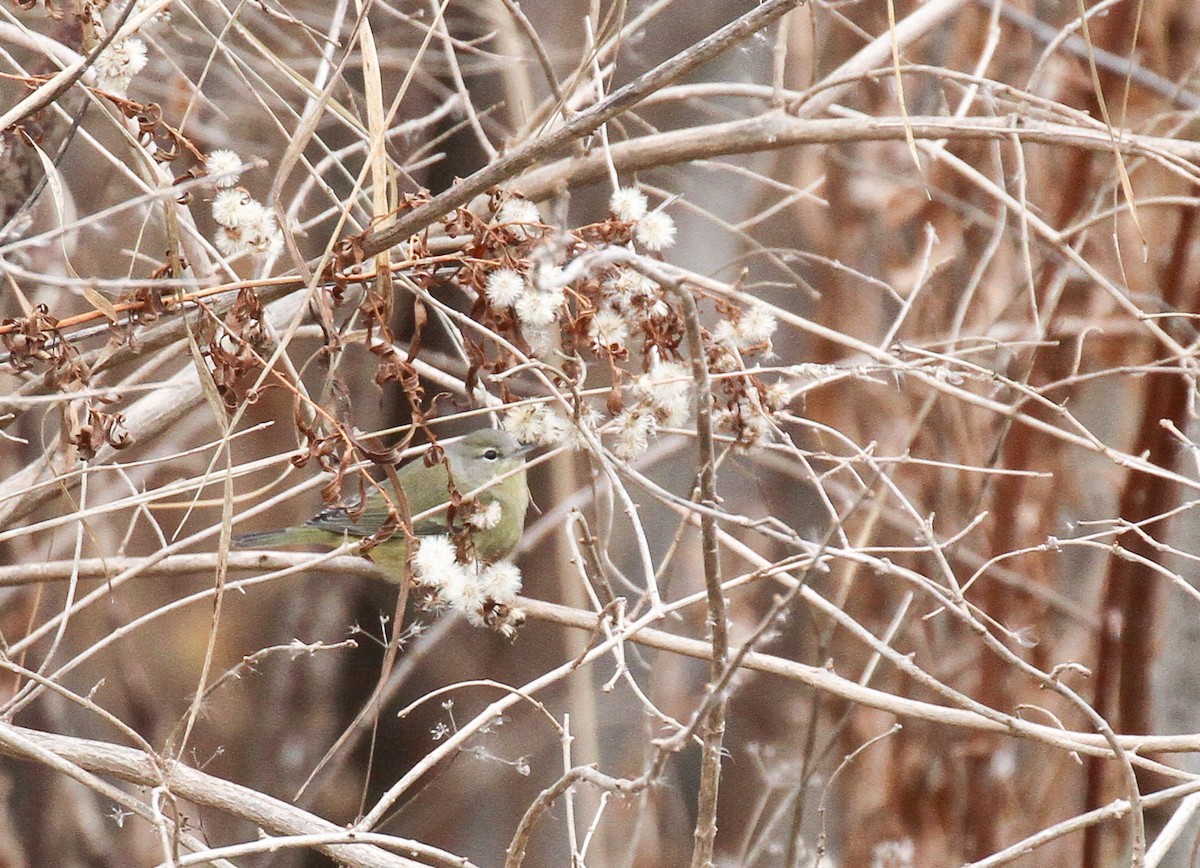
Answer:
(578, 127)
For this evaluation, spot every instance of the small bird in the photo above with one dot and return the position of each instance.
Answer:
(477, 459)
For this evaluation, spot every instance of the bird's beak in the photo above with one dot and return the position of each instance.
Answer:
(526, 449)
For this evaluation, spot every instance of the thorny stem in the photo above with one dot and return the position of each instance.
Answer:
(714, 728)
(713, 725)
(515, 855)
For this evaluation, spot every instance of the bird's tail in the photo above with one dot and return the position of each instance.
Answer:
(273, 539)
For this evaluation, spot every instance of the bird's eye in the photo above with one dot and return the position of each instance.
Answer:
(492, 454)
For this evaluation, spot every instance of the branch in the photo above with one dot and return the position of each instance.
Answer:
(581, 125)
(139, 768)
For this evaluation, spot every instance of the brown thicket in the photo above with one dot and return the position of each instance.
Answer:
(864, 529)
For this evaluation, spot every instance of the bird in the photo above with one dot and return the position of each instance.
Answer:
(493, 530)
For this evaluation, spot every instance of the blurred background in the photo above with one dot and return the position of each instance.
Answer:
(981, 398)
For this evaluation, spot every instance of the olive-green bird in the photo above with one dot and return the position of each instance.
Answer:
(475, 460)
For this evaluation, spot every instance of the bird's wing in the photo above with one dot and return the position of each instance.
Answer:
(338, 518)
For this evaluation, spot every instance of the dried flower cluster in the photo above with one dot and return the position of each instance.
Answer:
(485, 593)
(36, 344)
(231, 346)
(119, 62)
(245, 224)
(125, 56)
(561, 300)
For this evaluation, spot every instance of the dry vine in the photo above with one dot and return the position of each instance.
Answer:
(859, 344)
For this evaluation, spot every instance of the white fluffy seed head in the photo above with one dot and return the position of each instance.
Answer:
(779, 395)
(667, 388)
(627, 285)
(229, 241)
(466, 596)
(260, 232)
(756, 326)
(501, 581)
(557, 428)
(120, 62)
(536, 423)
(588, 419)
(538, 308)
(655, 231)
(436, 562)
(634, 428)
(433, 555)
(223, 164)
(525, 422)
(628, 204)
(504, 287)
(518, 211)
(608, 328)
(229, 206)
(488, 517)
